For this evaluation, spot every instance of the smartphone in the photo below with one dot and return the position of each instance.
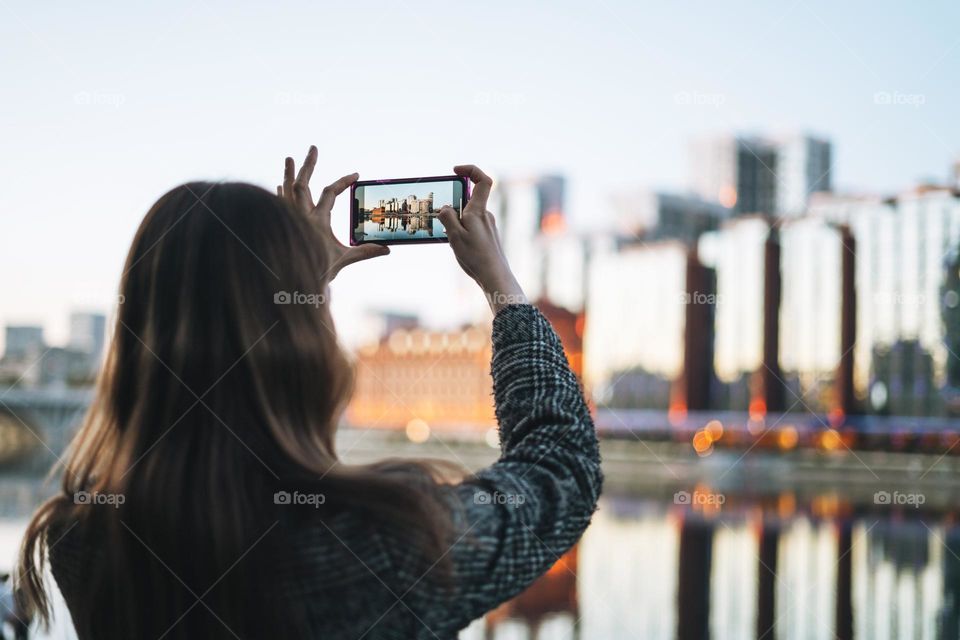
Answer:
(403, 211)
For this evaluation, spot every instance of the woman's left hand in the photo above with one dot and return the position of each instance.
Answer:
(296, 191)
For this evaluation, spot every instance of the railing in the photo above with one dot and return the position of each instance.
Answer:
(786, 431)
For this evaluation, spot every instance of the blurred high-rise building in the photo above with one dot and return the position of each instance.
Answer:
(28, 361)
(564, 270)
(736, 252)
(698, 386)
(23, 341)
(528, 206)
(633, 342)
(548, 258)
(905, 245)
(88, 333)
(23, 352)
(810, 311)
(550, 202)
(754, 174)
(950, 312)
(659, 215)
(516, 204)
(778, 312)
(902, 380)
(61, 367)
(804, 167)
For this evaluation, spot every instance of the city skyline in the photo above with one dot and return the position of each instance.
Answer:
(404, 210)
(73, 93)
(419, 190)
(730, 410)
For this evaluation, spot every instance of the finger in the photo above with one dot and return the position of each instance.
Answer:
(301, 197)
(288, 171)
(482, 184)
(306, 171)
(280, 190)
(450, 220)
(363, 252)
(331, 191)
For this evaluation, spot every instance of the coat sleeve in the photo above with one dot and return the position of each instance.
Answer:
(514, 519)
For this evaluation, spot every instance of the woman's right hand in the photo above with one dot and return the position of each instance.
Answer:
(476, 243)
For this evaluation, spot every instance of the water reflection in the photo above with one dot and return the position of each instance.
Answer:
(394, 225)
(652, 570)
(775, 568)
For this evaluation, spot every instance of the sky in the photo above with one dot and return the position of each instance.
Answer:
(372, 194)
(104, 106)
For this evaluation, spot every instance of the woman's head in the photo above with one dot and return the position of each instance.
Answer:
(225, 318)
(223, 383)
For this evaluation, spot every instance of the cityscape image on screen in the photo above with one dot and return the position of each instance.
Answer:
(404, 211)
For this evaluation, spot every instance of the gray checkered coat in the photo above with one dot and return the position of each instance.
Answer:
(512, 519)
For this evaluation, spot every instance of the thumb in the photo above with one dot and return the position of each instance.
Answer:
(450, 220)
(363, 252)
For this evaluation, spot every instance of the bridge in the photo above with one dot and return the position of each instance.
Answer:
(645, 450)
(36, 424)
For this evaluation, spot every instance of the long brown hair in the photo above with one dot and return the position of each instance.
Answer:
(218, 390)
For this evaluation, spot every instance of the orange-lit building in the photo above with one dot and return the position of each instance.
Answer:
(439, 377)
(569, 327)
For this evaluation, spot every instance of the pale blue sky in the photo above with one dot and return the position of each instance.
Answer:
(103, 106)
(442, 192)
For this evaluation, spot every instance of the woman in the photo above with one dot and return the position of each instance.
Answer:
(202, 496)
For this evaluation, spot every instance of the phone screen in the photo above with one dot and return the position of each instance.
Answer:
(403, 211)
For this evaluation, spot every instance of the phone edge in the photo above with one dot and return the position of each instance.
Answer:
(392, 243)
